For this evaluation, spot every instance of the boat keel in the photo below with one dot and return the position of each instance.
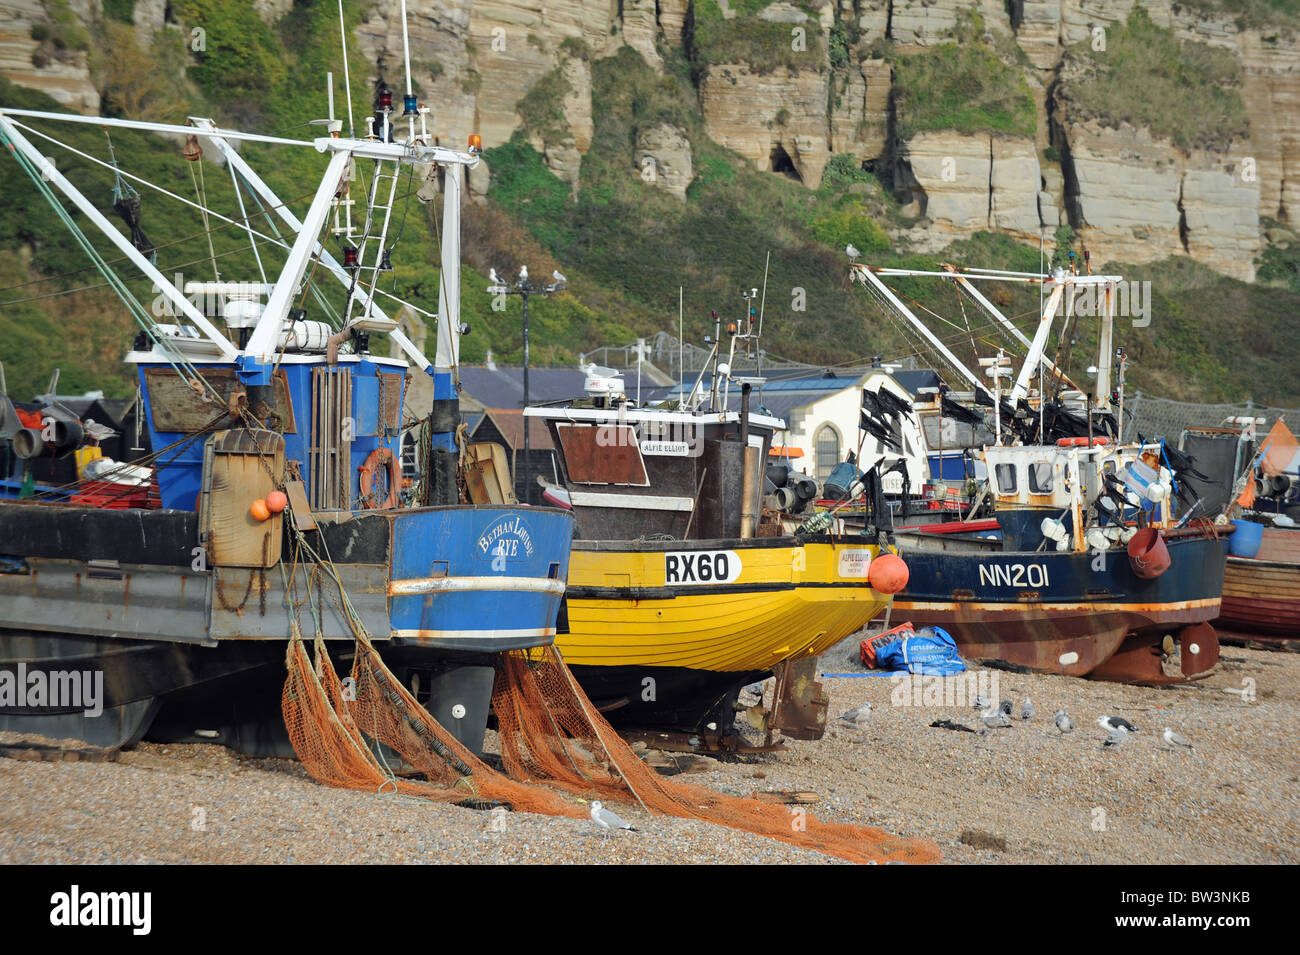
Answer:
(1147, 658)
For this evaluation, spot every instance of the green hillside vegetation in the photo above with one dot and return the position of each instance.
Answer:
(761, 45)
(963, 86)
(1188, 93)
(625, 245)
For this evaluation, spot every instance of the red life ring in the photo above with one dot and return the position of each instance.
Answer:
(1099, 441)
(380, 455)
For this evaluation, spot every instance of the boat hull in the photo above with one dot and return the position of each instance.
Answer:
(1072, 614)
(1261, 601)
(663, 650)
(178, 646)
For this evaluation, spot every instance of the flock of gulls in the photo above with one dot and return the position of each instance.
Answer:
(1000, 716)
(993, 716)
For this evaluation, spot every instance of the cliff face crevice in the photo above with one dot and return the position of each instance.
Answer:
(799, 81)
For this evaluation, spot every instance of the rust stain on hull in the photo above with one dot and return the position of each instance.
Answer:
(1117, 642)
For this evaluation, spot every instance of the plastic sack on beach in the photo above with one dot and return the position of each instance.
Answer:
(929, 652)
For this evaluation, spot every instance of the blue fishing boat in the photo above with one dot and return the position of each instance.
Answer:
(267, 493)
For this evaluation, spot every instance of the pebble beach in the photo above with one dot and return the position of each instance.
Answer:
(1026, 794)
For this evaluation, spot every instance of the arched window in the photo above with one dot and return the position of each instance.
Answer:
(827, 444)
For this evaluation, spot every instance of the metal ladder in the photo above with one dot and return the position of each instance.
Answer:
(367, 320)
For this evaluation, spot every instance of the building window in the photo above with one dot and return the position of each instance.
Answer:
(827, 444)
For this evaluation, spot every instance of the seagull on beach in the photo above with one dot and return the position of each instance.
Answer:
(1116, 722)
(996, 718)
(858, 715)
(608, 821)
(981, 702)
(1116, 737)
(1063, 722)
(1173, 739)
(1005, 707)
(1027, 710)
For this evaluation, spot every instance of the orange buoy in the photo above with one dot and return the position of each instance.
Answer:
(888, 574)
(1147, 554)
(276, 501)
(259, 511)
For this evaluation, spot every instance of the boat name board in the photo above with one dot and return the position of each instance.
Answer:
(855, 563)
(1013, 575)
(674, 449)
(702, 567)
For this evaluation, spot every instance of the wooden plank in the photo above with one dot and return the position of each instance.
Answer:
(296, 491)
(788, 797)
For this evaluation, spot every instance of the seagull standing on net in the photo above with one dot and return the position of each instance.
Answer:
(608, 821)
(1173, 739)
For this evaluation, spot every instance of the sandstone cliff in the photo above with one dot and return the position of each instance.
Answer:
(1131, 192)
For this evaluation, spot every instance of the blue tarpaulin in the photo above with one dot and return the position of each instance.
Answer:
(929, 652)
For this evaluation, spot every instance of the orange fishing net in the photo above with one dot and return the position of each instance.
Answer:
(555, 747)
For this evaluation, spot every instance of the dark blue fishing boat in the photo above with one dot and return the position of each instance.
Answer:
(1085, 568)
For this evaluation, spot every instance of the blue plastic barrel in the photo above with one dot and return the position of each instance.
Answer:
(1245, 540)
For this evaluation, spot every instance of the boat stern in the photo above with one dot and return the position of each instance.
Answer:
(478, 579)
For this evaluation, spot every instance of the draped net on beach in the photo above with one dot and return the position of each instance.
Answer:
(556, 749)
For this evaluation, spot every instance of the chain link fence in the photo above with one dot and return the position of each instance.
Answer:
(1153, 417)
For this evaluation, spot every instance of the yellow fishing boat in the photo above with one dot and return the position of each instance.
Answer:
(684, 585)
(664, 634)
(729, 606)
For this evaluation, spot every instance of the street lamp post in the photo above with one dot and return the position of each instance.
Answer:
(524, 288)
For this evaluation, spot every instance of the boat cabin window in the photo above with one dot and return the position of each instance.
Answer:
(1006, 475)
(1040, 477)
(602, 454)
